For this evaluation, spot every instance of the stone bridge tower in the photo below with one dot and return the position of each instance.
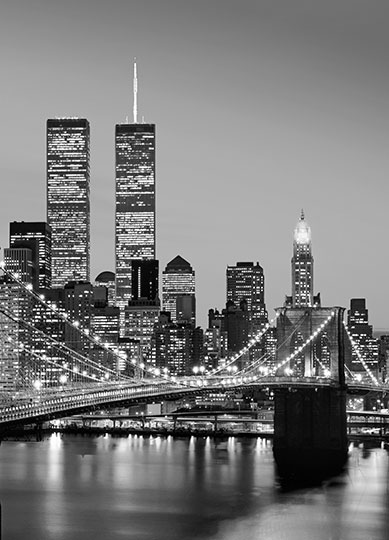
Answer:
(310, 432)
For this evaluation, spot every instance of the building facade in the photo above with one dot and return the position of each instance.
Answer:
(178, 279)
(135, 202)
(19, 261)
(362, 333)
(37, 237)
(302, 265)
(68, 205)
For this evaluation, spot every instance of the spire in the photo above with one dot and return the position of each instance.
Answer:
(302, 232)
(135, 88)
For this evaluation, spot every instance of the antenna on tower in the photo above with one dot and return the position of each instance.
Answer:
(135, 87)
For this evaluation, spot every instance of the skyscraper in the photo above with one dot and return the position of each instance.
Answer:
(68, 206)
(37, 237)
(246, 281)
(135, 199)
(178, 279)
(362, 333)
(302, 265)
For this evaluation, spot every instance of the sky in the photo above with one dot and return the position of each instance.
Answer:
(262, 107)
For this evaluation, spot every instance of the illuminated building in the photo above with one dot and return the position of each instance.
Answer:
(215, 340)
(362, 333)
(68, 207)
(246, 281)
(140, 318)
(78, 303)
(302, 265)
(104, 325)
(15, 364)
(178, 279)
(19, 261)
(236, 324)
(37, 237)
(270, 339)
(135, 202)
(384, 357)
(177, 347)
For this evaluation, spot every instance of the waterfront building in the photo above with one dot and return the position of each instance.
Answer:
(37, 237)
(362, 333)
(68, 205)
(302, 265)
(178, 280)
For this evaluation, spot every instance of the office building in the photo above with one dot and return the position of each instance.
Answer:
(35, 236)
(178, 279)
(19, 261)
(246, 281)
(144, 279)
(135, 202)
(362, 333)
(302, 265)
(176, 347)
(68, 206)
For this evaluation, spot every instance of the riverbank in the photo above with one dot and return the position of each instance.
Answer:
(126, 431)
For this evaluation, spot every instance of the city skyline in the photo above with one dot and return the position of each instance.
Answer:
(304, 126)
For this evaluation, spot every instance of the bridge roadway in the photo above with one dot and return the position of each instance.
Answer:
(44, 405)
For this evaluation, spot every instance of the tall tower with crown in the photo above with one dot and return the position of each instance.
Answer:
(302, 265)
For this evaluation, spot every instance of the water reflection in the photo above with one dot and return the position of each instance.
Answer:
(170, 488)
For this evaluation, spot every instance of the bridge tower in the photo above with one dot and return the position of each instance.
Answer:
(310, 435)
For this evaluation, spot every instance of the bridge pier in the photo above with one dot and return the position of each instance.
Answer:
(310, 431)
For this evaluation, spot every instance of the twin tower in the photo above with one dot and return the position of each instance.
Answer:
(68, 200)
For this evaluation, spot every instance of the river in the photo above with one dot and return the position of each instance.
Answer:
(71, 487)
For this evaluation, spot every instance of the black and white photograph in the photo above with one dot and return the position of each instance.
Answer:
(194, 225)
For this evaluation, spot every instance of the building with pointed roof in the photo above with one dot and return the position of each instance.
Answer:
(302, 265)
(178, 289)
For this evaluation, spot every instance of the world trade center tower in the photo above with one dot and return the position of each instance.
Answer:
(68, 205)
(135, 199)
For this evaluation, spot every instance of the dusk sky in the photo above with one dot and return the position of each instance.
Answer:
(262, 107)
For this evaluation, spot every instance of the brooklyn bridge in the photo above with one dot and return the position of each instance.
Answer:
(44, 377)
